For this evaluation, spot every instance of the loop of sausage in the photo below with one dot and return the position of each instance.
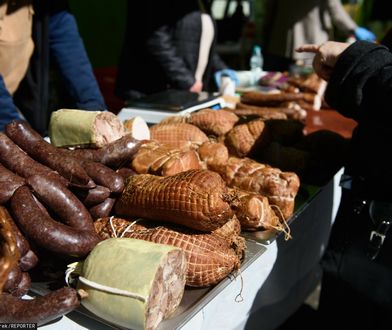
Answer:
(16, 160)
(62, 201)
(34, 145)
(93, 196)
(9, 182)
(115, 154)
(18, 283)
(103, 209)
(39, 310)
(46, 232)
(104, 176)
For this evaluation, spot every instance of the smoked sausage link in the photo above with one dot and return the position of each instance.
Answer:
(39, 310)
(32, 143)
(104, 176)
(9, 182)
(115, 154)
(62, 201)
(16, 160)
(46, 232)
(93, 196)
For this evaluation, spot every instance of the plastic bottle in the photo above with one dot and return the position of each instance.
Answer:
(256, 60)
(256, 64)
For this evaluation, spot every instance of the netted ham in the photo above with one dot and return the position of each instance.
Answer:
(279, 187)
(214, 122)
(80, 128)
(210, 257)
(178, 135)
(246, 138)
(211, 122)
(213, 153)
(197, 199)
(254, 211)
(156, 158)
(288, 110)
(269, 99)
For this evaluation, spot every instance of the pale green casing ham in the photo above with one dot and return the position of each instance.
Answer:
(73, 127)
(156, 272)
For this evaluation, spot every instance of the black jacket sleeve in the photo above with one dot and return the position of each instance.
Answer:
(361, 78)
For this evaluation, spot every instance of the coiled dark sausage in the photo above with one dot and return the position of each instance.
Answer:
(39, 310)
(114, 154)
(16, 160)
(62, 201)
(93, 196)
(104, 176)
(103, 209)
(9, 182)
(46, 232)
(33, 144)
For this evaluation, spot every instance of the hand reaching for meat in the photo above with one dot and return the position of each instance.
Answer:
(327, 54)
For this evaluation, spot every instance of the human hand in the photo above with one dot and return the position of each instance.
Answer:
(364, 34)
(197, 87)
(226, 72)
(326, 56)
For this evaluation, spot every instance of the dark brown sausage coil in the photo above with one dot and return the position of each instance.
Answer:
(9, 182)
(62, 201)
(93, 196)
(16, 160)
(37, 225)
(116, 154)
(104, 176)
(103, 209)
(33, 144)
(39, 310)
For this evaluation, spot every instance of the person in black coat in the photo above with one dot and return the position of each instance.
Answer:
(357, 286)
(161, 49)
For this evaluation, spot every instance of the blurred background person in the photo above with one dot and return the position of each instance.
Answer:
(39, 39)
(290, 24)
(168, 45)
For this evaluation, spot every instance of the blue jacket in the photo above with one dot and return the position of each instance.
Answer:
(56, 39)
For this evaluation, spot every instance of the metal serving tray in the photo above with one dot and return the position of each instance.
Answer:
(193, 301)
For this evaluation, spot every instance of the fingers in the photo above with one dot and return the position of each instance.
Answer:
(308, 48)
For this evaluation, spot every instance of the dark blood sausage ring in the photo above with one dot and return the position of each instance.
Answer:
(33, 144)
(105, 176)
(92, 196)
(103, 209)
(114, 154)
(9, 182)
(38, 225)
(62, 201)
(16, 160)
(39, 310)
